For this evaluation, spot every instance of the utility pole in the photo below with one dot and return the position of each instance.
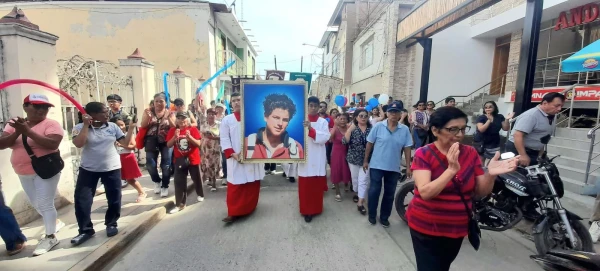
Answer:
(301, 63)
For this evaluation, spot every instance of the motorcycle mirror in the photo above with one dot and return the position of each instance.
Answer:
(507, 155)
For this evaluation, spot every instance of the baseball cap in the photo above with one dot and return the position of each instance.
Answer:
(395, 106)
(220, 105)
(37, 99)
(182, 115)
(178, 101)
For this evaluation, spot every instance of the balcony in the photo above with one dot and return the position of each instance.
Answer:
(548, 74)
(226, 56)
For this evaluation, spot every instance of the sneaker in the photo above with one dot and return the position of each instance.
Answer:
(59, 226)
(224, 182)
(214, 189)
(595, 231)
(111, 231)
(164, 192)
(385, 223)
(373, 221)
(156, 188)
(292, 180)
(200, 199)
(174, 210)
(81, 238)
(45, 245)
(18, 248)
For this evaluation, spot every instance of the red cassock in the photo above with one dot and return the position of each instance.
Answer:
(310, 193)
(242, 198)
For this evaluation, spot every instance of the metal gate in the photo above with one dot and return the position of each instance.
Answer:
(90, 80)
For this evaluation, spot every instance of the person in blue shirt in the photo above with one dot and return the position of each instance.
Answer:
(385, 144)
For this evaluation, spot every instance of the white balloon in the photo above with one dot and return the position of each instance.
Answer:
(383, 98)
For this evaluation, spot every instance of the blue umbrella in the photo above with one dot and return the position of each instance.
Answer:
(586, 60)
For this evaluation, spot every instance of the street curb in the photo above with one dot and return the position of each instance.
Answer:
(107, 252)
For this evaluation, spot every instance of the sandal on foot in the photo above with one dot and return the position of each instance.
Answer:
(338, 198)
(362, 210)
(355, 198)
(141, 197)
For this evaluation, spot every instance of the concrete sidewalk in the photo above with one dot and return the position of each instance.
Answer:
(136, 219)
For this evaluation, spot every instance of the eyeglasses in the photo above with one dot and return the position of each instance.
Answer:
(455, 130)
(112, 101)
(179, 105)
(363, 116)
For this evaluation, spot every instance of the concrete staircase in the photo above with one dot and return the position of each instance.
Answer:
(474, 106)
(573, 147)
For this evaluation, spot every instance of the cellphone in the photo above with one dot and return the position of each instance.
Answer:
(507, 155)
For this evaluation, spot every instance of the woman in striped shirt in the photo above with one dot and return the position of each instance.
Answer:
(436, 215)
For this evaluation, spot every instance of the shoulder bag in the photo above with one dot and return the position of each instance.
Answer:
(46, 166)
(473, 226)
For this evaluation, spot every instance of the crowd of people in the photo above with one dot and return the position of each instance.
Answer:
(364, 151)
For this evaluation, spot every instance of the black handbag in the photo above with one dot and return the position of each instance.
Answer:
(151, 143)
(473, 226)
(46, 166)
(182, 163)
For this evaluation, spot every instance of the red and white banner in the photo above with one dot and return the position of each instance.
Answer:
(583, 94)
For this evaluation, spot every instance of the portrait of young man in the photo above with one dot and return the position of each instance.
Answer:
(273, 140)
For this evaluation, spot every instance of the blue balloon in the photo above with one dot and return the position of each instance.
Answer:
(339, 100)
(373, 102)
(368, 108)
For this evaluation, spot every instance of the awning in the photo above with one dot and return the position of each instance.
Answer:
(586, 60)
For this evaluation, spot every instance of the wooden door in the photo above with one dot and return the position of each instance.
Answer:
(500, 66)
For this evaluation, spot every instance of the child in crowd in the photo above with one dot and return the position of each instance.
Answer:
(130, 170)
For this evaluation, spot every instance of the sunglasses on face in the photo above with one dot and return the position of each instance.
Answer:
(363, 116)
(40, 106)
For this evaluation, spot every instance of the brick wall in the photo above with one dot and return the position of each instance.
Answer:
(404, 73)
(513, 60)
(495, 10)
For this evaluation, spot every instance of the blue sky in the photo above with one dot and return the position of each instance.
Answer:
(280, 27)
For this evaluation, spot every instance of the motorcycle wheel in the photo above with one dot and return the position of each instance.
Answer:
(407, 188)
(546, 241)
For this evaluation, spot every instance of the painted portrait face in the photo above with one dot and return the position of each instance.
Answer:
(278, 121)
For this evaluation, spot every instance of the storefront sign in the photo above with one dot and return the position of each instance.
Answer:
(584, 94)
(578, 16)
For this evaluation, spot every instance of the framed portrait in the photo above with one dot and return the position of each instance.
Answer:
(272, 121)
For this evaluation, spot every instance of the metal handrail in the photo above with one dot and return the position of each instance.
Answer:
(469, 95)
(592, 136)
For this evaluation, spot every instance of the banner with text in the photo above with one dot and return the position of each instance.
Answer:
(275, 75)
(584, 94)
(299, 76)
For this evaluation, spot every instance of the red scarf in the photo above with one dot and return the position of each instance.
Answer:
(237, 116)
(313, 118)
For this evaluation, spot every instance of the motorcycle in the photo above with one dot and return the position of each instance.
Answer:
(562, 260)
(539, 187)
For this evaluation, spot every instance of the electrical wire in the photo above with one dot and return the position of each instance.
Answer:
(107, 12)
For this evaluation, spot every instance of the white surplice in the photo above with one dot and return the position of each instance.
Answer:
(291, 170)
(230, 134)
(316, 157)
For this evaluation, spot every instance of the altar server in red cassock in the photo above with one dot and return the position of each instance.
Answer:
(312, 175)
(243, 180)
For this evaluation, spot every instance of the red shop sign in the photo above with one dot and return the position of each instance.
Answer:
(583, 94)
(578, 16)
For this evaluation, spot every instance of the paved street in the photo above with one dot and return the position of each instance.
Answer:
(276, 237)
